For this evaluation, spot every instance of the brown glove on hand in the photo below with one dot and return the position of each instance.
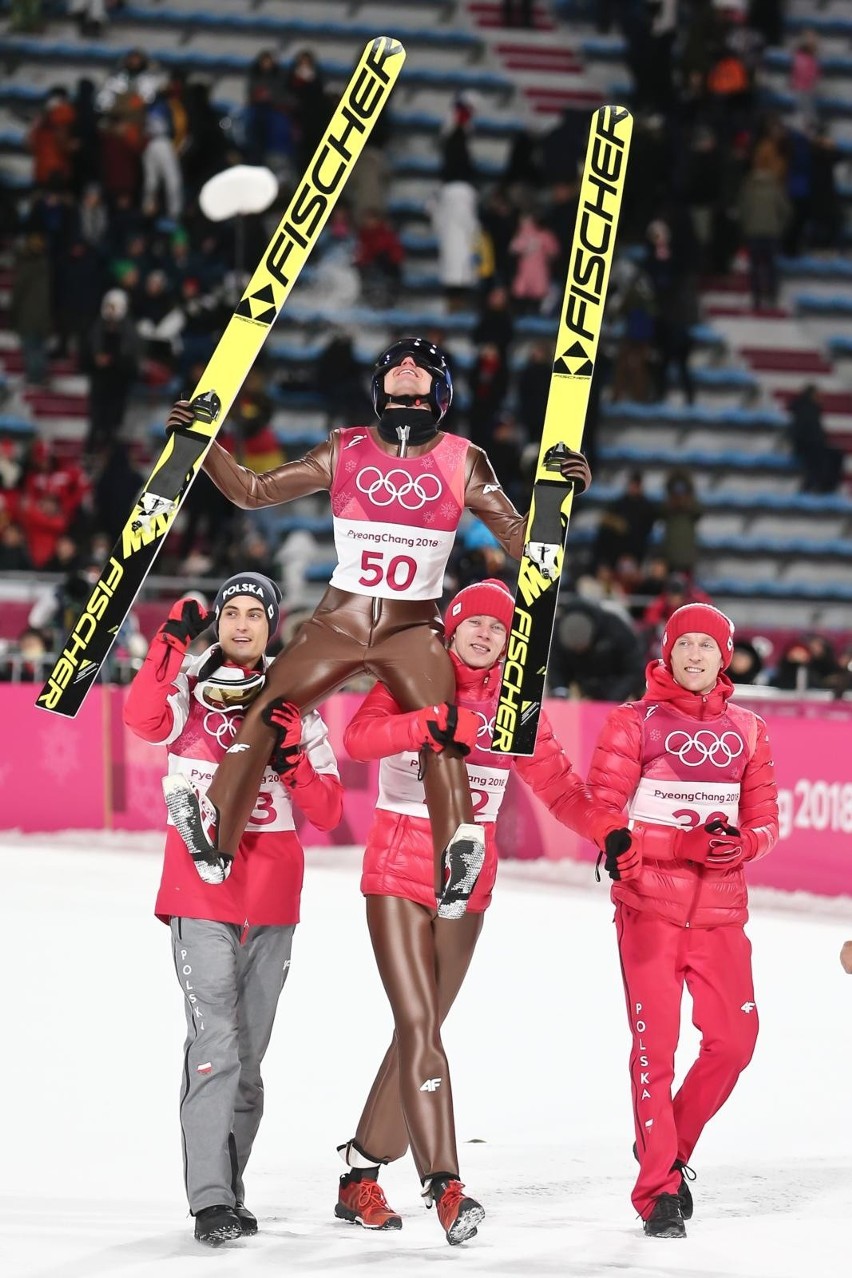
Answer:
(576, 468)
(182, 414)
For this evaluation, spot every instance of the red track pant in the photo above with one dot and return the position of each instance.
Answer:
(657, 957)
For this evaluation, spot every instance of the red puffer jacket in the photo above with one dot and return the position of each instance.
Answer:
(691, 752)
(398, 860)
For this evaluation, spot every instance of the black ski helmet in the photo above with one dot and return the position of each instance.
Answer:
(425, 355)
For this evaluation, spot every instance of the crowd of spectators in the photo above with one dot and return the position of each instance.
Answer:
(118, 271)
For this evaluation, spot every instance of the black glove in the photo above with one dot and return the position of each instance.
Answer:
(187, 620)
(623, 855)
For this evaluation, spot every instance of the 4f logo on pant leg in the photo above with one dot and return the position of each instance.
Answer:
(431, 1085)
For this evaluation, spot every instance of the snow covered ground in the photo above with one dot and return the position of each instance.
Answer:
(90, 1062)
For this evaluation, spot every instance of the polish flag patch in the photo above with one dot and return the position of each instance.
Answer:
(206, 1068)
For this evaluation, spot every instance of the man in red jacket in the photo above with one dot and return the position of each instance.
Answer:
(422, 958)
(231, 939)
(696, 776)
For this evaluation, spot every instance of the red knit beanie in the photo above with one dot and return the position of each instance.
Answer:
(702, 619)
(489, 598)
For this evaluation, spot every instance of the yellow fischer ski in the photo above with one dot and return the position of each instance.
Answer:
(184, 451)
(525, 668)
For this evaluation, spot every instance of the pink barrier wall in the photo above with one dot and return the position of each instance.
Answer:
(90, 773)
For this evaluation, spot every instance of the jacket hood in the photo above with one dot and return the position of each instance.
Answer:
(661, 685)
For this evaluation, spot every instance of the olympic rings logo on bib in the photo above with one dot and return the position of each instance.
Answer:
(222, 726)
(705, 747)
(486, 726)
(411, 491)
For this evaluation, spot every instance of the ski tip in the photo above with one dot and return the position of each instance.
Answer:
(620, 112)
(386, 46)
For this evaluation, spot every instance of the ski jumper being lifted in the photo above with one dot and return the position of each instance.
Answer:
(398, 491)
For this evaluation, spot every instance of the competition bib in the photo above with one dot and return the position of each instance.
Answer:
(395, 518)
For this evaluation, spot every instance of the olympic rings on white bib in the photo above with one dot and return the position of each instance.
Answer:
(411, 491)
(222, 726)
(705, 747)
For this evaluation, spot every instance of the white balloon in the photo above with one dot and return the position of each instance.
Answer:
(245, 188)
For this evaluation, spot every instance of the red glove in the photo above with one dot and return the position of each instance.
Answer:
(287, 721)
(444, 725)
(623, 855)
(187, 620)
(717, 845)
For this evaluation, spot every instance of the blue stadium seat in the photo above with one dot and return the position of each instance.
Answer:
(600, 494)
(25, 47)
(837, 592)
(814, 304)
(632, 455)
(696, 415)
(17, 426)
(280, 28)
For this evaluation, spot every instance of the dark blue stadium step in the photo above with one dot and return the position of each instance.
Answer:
(255, 22)
(695, 415)
(696, 459)
(754, 503)
(30, 49)
(827, 592)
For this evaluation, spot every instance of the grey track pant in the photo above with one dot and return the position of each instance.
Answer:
(231, 992)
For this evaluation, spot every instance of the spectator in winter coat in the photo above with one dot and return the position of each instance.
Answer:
(51, 141)
(805, 73)
(695, 774)
(764, 213)
(231, 940)
(379, 256)
(746, 662)
(422, 959)
(820, 464)
(160, 167)
(30, 308)
(456, 224)
(534, 386)
(114, 357)
(535, 248)
(495, 324)
(268, 123)
(805, 664)
(595, 654)
(626, 523)
(311, 106)
(680, 513)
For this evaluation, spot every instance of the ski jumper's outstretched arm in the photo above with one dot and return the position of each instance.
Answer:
(249, 491)
(485, 497)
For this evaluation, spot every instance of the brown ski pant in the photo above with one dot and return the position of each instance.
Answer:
(422, 961)
(396, 641)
